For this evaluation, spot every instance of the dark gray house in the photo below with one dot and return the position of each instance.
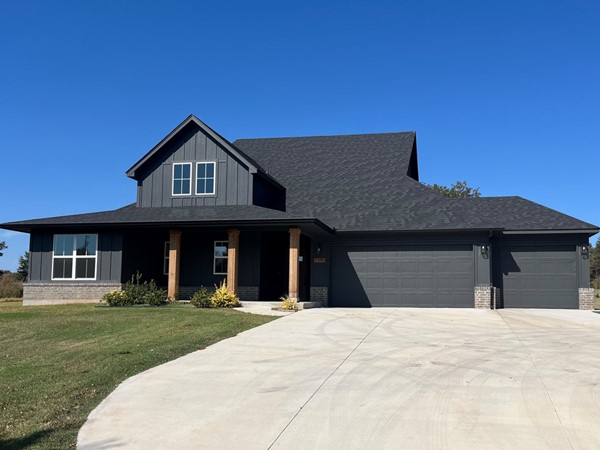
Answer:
(341, 220)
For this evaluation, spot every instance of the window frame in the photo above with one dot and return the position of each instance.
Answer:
(214, 178)
(215, 257)
(190, 165)
(166, 254)
(74, 257)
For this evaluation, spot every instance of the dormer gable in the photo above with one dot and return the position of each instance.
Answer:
(195, 166)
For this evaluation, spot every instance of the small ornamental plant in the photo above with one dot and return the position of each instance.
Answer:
(201, 298)
(290, 304)
(224, 298)
(116, 298)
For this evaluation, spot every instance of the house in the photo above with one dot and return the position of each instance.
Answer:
(341, 220)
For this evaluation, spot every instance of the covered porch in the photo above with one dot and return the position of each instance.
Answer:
(257, 262)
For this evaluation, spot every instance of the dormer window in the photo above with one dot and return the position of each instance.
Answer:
(182, 179)
(205, 178)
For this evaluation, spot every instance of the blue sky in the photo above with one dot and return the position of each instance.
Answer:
(504, 94)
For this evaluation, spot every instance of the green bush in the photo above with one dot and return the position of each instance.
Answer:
(224, 298)
(10, 286)
(116, 298)
(136, 292)
(201, 299)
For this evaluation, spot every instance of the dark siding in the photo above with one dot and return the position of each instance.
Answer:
(264, 193)
(234, 185)
(482, 265)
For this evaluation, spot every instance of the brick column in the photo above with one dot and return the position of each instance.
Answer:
(233, 249)
(294, 262)
(174, 255)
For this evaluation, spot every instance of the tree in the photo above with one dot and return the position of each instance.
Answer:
(460, 189)
(2, 247)
(595, 265)
(23, 269)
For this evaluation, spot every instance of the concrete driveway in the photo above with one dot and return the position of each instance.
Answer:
(371, 378)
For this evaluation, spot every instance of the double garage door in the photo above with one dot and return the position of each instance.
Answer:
(540, 276)
(387, 275)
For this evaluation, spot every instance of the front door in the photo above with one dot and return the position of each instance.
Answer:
(274, 265)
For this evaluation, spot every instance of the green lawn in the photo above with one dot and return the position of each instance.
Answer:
(58, 362)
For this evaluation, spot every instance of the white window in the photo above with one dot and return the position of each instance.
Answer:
(166, 258)
(182, 178)
(205, 178)
(74, 257)
(220, 263)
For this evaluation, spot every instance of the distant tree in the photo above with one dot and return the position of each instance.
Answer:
(2, 247)
(23, 269)
(460, 189)
(595, 265)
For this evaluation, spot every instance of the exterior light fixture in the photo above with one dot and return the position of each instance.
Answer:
(585, 251)
(318, 249)
(485, 250)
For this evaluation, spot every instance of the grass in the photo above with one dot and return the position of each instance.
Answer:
(58, 362)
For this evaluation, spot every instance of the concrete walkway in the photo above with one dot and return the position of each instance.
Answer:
(371, 379)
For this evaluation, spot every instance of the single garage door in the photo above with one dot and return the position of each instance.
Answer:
(541, 276)
(387, 275)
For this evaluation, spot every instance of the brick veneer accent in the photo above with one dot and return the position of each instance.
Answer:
(248, 293)
(586, 298)
(245, 293)
(319, 294)
(483, 297)
(62, 293)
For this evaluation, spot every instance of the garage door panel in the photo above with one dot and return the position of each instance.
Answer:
(402, 276)
(543, 276)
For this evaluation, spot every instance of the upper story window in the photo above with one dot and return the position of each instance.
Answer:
(182, 178)
(74, 257)
(205, 178)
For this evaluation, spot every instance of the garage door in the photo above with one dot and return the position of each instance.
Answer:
(433, 276)
(539, 276)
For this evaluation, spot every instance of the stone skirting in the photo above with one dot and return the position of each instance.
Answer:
(63, 293)
(248, 293)
(319, 294)
(483, 297)
(586, 298)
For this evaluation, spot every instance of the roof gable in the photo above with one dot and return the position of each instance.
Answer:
(192, 120)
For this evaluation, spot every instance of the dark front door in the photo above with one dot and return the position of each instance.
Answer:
(274, 265)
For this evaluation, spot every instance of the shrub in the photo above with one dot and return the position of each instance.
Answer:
(10, 286)
(116, 298)
(136, 292)
(224, 298)
(288, 303)
(201, 299)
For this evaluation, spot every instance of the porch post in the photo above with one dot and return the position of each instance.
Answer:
(294, 262)
(232, 259)
(174, 255)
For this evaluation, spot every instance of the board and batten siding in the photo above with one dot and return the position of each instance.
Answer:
(233, 178)
(108, 261)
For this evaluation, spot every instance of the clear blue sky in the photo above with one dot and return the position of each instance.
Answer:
(504, 94)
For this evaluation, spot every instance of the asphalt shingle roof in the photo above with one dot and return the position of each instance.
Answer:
(349, 183)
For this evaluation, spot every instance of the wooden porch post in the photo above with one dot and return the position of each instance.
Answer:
(174, 255)
(294, 262)
(232, 259)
